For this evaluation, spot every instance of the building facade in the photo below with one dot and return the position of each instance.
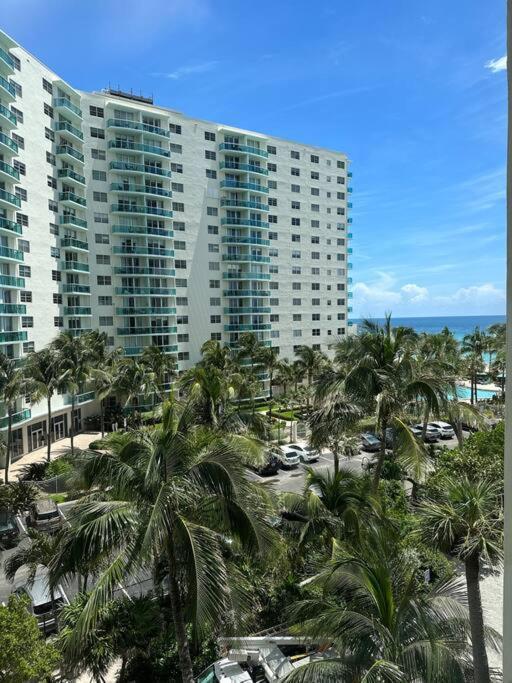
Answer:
(158, 228)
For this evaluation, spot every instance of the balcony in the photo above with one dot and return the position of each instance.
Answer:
(141, 210)
(349, 250)
(71, 176)
(236, 239)
(350, 295)
(10, 337)
(74, 266)
(68, 106)
(7, 90)
(349, 205)
(9, 200)
(78, 331)
(141, 230)
(12, 282)
(10, 227)
(142, 250)
(139, 189)
(247, 310)
(245, 293)
(349, 235)
(129, 167)
(145, 291)
(250, 187)
(137, 125)
(72, 222)
(75, 288)
(246, 258)
(77, 310)
(245, 276)
(8, 172)
(67, 130)
(349, 174)
(146, 310)
(13, 309)
(243, 149)
(6, 61)
(349, 221)
(349, 190)
(242, 327)
(138, 147)
(7, 254)
(80, 398)
(72, 199)
(73, 244)
(137, 350)
(8, 146)
(16, 418)
(7, 118)
(145, 331)
(242, 204)
(69, 153)
(143, 270)
(244, 222)
(349, 281)
(246, 168)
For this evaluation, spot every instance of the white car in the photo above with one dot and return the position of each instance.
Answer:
(306, 453)
(289, 457)
(445, 429)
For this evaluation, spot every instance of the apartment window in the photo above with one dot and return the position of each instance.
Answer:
(315, 302)
(274, 318)
(273, 269)
(272, 184)
(99, 154)
(296, 302)
(24, 246)
(100, 217)
(182, 320)
(211, 173)
(180, 245)
(315, 159)
(99, 175)
(297, 333)
(296, 270)
(17, 63)
(295, 171)
(296, 286)
(178, 206)
(57, 298)
(296, 221)
(19, 140)
(22, 219)
(295, 254)
(183, 355)
(294, 154)
(213, 229)
(315, 255)
(315, 224)
(50, 158)
(272, 219)
(177, 168)
(315, 207)
(295, 188)
(105, 301)
(183, 338)
(52, 205)
(214, 284)
(58, 321)
(273, 285)
(210, 155)
(180, 264)
(271, 149)
(213, 248)
(315, 286)
(295, 205)
(315, 191)
(99, 196)
(106, 321)
(97, 133)
(104, 280)
(103, 259)
(215, 301)
(273, 253)
(209, 136)
(213, 265)
(181, 282)
(315, 175)
(55, 252)
(340, 180)
(212, 211)
(17, 88)
(26, 297)
(315, 332)
(176, 149)
(340, 164)
(295, 238)
(340, 195)
(56, 276)
(21, 193)
(215, 319)
(274, 301)
(272, 167)
(51, 182)
(18, 114)
(179, 226)
(48, 110)
(315, 316)
(20, 167)
(315, 239)
(175, 128)
(96, 111)
(101, 238)
(272, 201)
(272, 235)
(47, 86)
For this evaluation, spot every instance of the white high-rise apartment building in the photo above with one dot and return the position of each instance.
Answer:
(157, 228)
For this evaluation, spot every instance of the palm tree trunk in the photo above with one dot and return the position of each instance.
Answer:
(336, 461)
(476, 619)
(426, 415)
(49, 431)
(380, 461)
(271, 394)
(187, 673)
(9, 444)
(72, 425)
(102, 418)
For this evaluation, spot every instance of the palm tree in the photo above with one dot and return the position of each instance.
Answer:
(75, 357)
(133, 381)
(45, 377)
(172, 492)
(249, 348)
(473, 347)
(284, 375)
(467, 521)
(311, 362)
(13, 385)
(269, 359)
(162, 366)
(213, 354)
(381, 623)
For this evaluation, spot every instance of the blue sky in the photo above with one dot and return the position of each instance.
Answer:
(414, 92)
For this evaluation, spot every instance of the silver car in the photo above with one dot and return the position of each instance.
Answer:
(445, 430)
(306, 453)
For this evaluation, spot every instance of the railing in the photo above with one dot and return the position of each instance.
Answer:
(144, 291)
(145, 310)
(142, 250)
(64, 102)
(10, 170)
(135, 331)
(137, 350)
(5, 140)
(14, 254)
(7, 86)
(235, 239)
(136, 147)
(6, 57)
(71, 242)
(243, 204)
(77, 310)
(11, 198)
(143, 270)
(68, 219)
(68, 173)
(72, 197)
(74, 265)
(11, 226)
(138, 168)
(136, 125)
(61, 126)
(67, 149)
(145, 210)
(244, 293)
(247, 168)
(16, 418)
(247, 310)
(248, 258)
(13, 309)
(236, 184)
(247, 222)
(12, 281)
(142, 189)
(80, 398)
(246, 276)
(140, 230)
(242, 327)
(8, 115)
(75, 288)
(8, 337)
(245, 149)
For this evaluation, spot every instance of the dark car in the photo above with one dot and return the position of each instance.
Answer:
(9, 531)
(42, 603)
(370, 443)
(432, 434)
(270, 467)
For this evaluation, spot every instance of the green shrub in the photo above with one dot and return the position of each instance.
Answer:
(58, 467)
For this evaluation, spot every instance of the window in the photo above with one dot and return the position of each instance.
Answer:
(315, 255)
(315, 302)
(315, 286)
(57, 298)
(214, 284)
(180, 245)
(340, 195)
(213, 229)
(212, 211)
(295, 254)
(296, 286)
(55, 252)
(52, 205)
(24, 246)
(26, 297)
(295, 171)
(56, 276)
(101, 238)
(315, 207)
(181, 282)
(183, 355)
(99, 196)
(213, 248)
(296, 221)
(271, 149)
(179, 226)
(216, 336)
(295, 188)
(22, 219)
(296, 270)
(176, 149)
(340, 180)
(50, 158)
(21, 193)
(315, 332)
(211, 173)
(48, 110)
(17, 88)
(296, 302)
(100, 217)
(315, 175)
(209, 136)
(215, 319)
(104, 280)
(273, 285)
(271, 218)
(47, 86)
(340, 164)
(295, 205)
(215, 301)
(175, 128)
(178, 206)
(315, 224)
(273, 269)
(183, 337)
(315, 191)
(182, 320)
(51, 182)
(98, 154)
(315, 239)
(177, 168)
(294, 154)
(181, 301)
(99, 175)
(20, 167)
(273, 253)
(272, 167)
(96, 111)
(19, 140)
(103, 259)
(295, 238)
(58, 321)
(315, 159)
(272, 201)
(17, 113)
(105, 301)
(272, 184)
(27, 321)
(17, 63)
(97, 133)
(272, 235)
(210, 155)
(106, 321)
(297, 333)
(213, 265)
(180, 264)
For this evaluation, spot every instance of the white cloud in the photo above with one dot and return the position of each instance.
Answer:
(496, 65)
(476, 295)
(414, 293)
(189, 70)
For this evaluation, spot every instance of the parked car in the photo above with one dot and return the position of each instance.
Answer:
(306, 453)
(289, 457)
(431, 435)
(370, 443)
(270, 467)
(9, 531)
(41, 605)
(446, 430)
(44, 515)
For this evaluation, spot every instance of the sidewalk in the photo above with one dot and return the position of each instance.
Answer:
(59, 448)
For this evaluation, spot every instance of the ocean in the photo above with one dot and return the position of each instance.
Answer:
(460, 325)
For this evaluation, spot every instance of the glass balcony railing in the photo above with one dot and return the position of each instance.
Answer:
(349, 221)
(10, 226)
(242, 293)
(75, 265)
(77, 310)
(140, 189)
(349, 190)
(22, 416)
(67, 150)
(130, 167)
(10, 281)
(349, 205)
(12, 254)
(146, 310)
(137, 350)
(238, 185)
(247, 310)
(10, 198)
(242, 327)
(13, 309)
(349, 281)
(141, 230)
(244, 149)
(78, 331)
(7, 87)
(246, 276)
(6, 58)
(9, 337)
(72, 197)
(8, 115)
(73, 220)
(137, 125)
(75, 288)
(143, 270)
(71, 175)
(140, 331)
(72, 243)
(7, 142)
(350, 295)
(9, 170)
(145, 291)
(65, 127)
(142, 250)
(349, 174)
(235, 239)
(138, 147)
(80, 398)
(59, 102)
(142, 210)
(242, 204)
(245, 222)
(246, 168)
(247, 258)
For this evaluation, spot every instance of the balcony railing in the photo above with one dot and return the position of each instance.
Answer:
(246, 168)
(13, 309)
(9, 170)
(235, 239)
(137, 350)
(245, 222)
(12, 282)
(143, 270)
(59, 102)
(65, 127)
(246, 258)
(74, 265)
(146, 310)
(142, 210)
(138, 168)
(244, 293)
(6, 140)
(69, 151)
(72, 243)
(242, 327)
(145, 291)
(142, 250)
(143, 331)
(10, 226)
(9, 337)
(72, 197)
(140, 189)
(75, 288)
(71, 175)
(12, 254)
(8, 115)
(141, 230)
(245, 276)
(67, 219)
(6, 58)
(9, 89)
(16, 418)
(242, 204)
(244, 149)
(80, 398)
(238, 185)
(137, 147)
(137, 125)
(77, 310)
(247, 310)
(10, 198)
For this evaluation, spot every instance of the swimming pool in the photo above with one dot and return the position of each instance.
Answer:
(465, 393)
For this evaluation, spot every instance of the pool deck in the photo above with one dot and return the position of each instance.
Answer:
(480, 387)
